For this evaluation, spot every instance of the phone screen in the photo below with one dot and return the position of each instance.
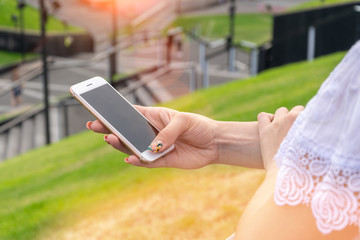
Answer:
(121, 115)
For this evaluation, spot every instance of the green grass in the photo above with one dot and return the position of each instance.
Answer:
(54, 188)
(31, 21)
(251, 27)
(8, 58)
(241, 100)
(319, 3)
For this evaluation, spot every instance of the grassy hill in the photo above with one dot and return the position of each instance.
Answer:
(252, 27)
(8, 8)
(80, 188)
(31, 19)
(319, 3)
(7, 58)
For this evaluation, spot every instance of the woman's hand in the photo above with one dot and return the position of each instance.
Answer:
(199, 141)
(193, 136)
(272, 130)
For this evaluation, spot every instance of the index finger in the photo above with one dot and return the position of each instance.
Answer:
(97, 126)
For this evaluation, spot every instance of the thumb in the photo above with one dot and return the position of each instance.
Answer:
(264, 119)
(167, 136)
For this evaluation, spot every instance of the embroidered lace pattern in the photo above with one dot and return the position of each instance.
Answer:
(319, 160)
(331, 190)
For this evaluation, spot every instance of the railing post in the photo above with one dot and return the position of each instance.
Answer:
(204, 65)
(232, 58)
(311, 43)
(159, 52)
(114, 33)
(63, 120)
(4, 142)
(254, 62)
(13, 144)
(43, 19)
(192, 84)
(26, 135)
(66, 121)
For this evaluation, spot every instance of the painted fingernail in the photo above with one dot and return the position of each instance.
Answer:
(106, 139)
(88, 125)
(155, 146)
(126, 160)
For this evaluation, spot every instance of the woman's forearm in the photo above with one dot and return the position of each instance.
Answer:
(238, 144)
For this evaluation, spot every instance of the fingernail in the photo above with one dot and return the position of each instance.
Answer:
(155, 146)
(106, 139)
(126, 160)
(88, 125)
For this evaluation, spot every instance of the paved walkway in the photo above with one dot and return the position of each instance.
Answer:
(98, 23)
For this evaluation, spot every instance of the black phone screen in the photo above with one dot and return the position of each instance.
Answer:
(121, 115)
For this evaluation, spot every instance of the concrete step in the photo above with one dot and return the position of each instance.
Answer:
(55, 129)
(39, 132)
(3, 144)
(27, 135)
(138, 96)
(13, 145)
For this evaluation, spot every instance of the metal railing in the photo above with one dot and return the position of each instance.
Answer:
(68, 117)
(26, 131)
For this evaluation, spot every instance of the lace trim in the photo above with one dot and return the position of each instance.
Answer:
(315, 176)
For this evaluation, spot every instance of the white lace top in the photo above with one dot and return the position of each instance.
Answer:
(319, 160)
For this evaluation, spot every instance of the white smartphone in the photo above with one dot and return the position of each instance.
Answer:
(118, 115)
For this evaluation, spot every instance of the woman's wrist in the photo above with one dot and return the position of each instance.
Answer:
(238, 144)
